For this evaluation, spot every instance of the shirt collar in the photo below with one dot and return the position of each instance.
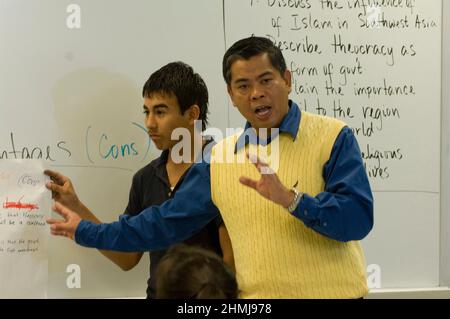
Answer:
(161, 161)
(289, 125)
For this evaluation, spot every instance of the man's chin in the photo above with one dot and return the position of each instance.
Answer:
(160, 146)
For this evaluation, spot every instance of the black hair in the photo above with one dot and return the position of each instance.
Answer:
(250, 47)
(189, 272)
(180, 80)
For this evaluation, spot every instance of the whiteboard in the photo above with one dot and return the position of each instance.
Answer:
(76, 93)
(73, 94)
(445, 153)
(379, 71)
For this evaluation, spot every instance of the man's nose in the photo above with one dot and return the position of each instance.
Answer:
(150, 122)
(257, 92)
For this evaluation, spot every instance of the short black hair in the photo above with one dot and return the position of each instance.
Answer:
(180, 80)
(250, 47)
(189, 272)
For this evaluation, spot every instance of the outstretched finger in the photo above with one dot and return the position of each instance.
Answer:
(58, 227)
(52, 221)
(248, 182)
(59, 233)
(62, 210)
(55, 176)
(261, 166)
(54, 187)
(255, 159)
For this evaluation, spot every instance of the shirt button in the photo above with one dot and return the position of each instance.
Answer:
(306, 212)
(324, 224)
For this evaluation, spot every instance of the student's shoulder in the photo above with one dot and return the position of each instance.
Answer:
(148, 171)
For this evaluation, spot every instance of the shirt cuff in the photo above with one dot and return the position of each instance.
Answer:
(307, 210)
(81, 231)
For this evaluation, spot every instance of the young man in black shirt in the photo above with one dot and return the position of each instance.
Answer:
(175, 97)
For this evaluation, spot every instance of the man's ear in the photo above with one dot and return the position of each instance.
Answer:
(230, 93)
(193, 113)
(288, 79)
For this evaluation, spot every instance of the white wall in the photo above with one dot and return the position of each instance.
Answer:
(445, 149)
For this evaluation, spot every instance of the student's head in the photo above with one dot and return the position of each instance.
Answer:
(258, 81)
(187, 272)
(174, 96)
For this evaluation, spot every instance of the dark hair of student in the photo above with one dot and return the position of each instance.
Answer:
(188, 272)
(180, 80)
(250, 47)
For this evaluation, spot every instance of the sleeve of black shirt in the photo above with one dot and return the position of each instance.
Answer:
(134, 201)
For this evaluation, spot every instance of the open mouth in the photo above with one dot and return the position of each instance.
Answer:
(263, 112)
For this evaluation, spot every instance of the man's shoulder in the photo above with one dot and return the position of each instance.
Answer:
(325, 120)
(231, 138)
(320, 130)
(320, 124)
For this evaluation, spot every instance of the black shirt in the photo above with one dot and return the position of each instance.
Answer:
(151, 186)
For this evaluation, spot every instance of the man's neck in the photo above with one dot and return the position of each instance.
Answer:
(195, 151)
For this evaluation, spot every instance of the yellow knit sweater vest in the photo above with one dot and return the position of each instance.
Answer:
(276, 255)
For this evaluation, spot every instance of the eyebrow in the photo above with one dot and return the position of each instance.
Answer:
(265, 74)
(243, 80)
(157, 106)
(160, 106)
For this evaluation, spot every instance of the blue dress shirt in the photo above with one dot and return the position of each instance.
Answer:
(343, 212)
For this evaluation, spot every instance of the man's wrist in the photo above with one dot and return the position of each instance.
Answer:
(288, 198)
(295, 201)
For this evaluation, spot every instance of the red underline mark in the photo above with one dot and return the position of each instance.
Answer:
(19, 205)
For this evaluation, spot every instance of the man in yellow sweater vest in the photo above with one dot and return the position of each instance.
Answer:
(295, 228)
